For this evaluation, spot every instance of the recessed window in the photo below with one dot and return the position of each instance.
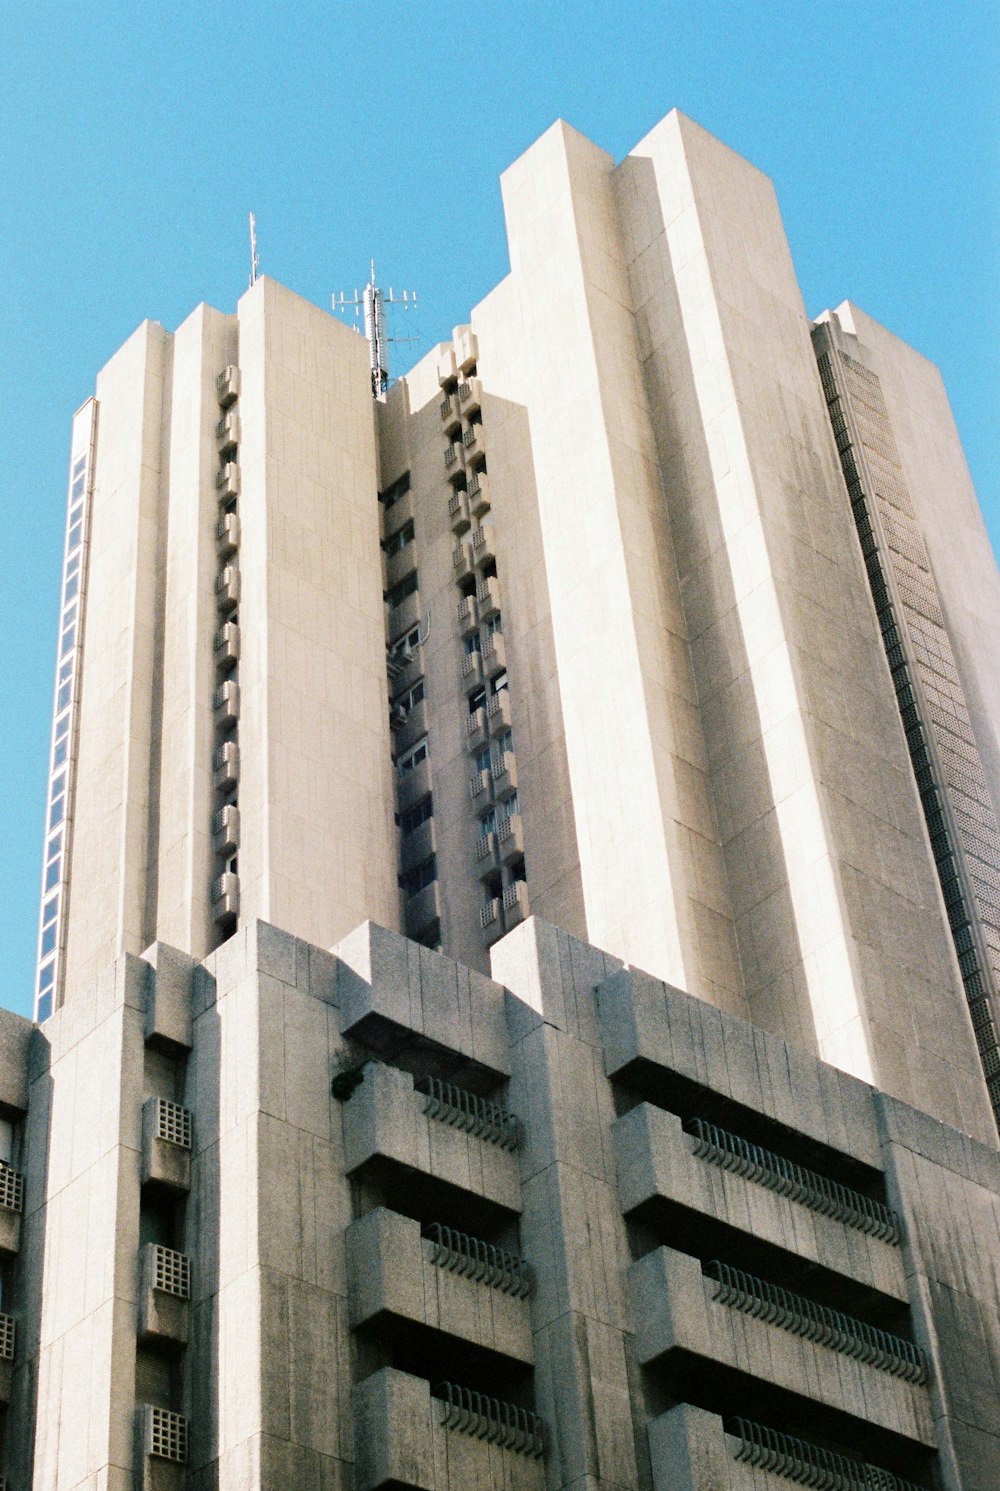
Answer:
(498, 684)
(477, 700)
(413, 757)
(411, 697)
(483, 759)
(473, 644)
(399, 540)
(406, 587)
(414, 881)
(392, 494)
(411, 820)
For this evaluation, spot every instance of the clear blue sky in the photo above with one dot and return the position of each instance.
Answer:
(135, 137)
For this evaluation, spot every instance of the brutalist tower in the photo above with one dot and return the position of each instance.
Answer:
(520, 931)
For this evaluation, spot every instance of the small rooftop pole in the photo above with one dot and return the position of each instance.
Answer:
(254, 259)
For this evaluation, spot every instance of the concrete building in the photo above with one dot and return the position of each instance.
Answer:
(520, 928)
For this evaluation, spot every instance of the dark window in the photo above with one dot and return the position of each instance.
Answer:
(417, 880)
(406, 587)
(419, 813)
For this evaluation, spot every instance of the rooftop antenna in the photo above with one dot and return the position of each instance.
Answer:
(372, 302)
(254, 257)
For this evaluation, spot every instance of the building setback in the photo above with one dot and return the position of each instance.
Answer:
(520, 927)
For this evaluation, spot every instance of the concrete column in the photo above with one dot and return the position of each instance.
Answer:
(571, 1225)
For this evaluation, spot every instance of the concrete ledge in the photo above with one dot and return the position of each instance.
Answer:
(655, 1160)
(168, 1015)
(385, 1119)
(674, 1309)
(390, 1271)
(645, 1021)
(391, 989)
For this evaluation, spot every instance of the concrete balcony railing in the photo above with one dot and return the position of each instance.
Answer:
(468, 616)
(459, 516)
(486, 854)
(768, 1333)
(498, 710)
(227, 588)
(516, 907)
(227, 646)
(422, 909)
(504, 774)
(475, 729)
(471, 669)
(479, 494)
(510, 839)
(227, 431)
(490, 921)
(226, 829)
(227, 481)
(488, 597)
(226, 703)
(466, 348)
(8, 1333)
(462, 565)
(166, 1145)
(483, 545)
(495, 655)
(161, 1449)
(227, 535)
(449, 1282)
(226, 766)
(412, 785)
(448, 1135)
(11, 1208)
(470, 395)
(660, 1166)
(227, 386)
(690, 1447)
(164, 1297)
(448, 1440)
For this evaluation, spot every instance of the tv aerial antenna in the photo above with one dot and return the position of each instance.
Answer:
(254, 256)
(372, 302)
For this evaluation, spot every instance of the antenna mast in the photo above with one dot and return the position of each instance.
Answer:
(254, 259)
(372, 302)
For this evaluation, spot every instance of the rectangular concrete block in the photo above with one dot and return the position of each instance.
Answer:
(392, 1432)
(168, 1012)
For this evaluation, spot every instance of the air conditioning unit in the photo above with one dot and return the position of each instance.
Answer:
(397, 716)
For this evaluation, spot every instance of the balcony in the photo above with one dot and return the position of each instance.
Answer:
(227, 645)
(472, 672)
(163, 1449)
(167, 1136)
(227, 589)
(226, 766)
(8, 1332)
(475, 730)
(462, 565)
(470, 396)
(227, 386)
(447, 370)
(435, 1143)
(510, 840)
(495, 656)
(488, 598)
(227, 535)
(449, 1441)
(730, 1318)
(483, 548)
(504, 773)
(450, 419)
(515, 904)
(226, 829)
(164, 1297)
(226, 704)
(486, 854)
(417, 846)
(225, 899)
(453, 459)
(479, 788)
(400, 564)
(458, 513)
(227, 431)
(479, 494)
(474, 443)
(11, 1208)
(490, 924)
(412, 785)
(498, 712)
(466, 348)
(227, 481)
(668, 1167)
(422, 909)
(447, 1281)
(468, 616)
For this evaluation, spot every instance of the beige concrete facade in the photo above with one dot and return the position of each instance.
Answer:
(295, 1219)
(618, 1119)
